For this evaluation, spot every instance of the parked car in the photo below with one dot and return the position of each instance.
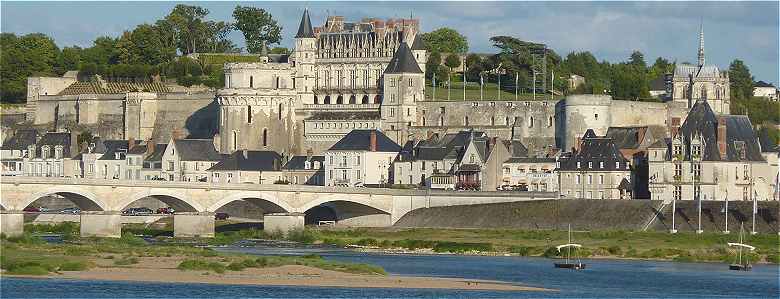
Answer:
(32, 209)
(138, 211)
(165, 210)
(70, 211)
(221, 216)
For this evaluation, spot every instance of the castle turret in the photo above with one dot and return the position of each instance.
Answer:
(305, 52)
(404, 83)
(420, 54)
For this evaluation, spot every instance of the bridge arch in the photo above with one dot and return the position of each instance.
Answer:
(344, 198)
(349, 210)
(85, 200)
(266, 201)
(179, 201)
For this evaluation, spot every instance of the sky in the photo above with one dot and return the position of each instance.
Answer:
(610, 30)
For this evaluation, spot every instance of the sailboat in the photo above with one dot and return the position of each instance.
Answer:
(570, 264)
(738, 264)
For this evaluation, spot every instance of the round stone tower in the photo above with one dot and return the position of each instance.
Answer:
(583, 112)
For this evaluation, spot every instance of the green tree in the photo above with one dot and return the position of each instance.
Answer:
(69, 59)
(103, 51)
(33, 54)
(741, 80)
(452, 61)
(445, 40)
(432, 64)
(280, 50)
(190, 26)
(258, 26)
(637, 60)
(218, 37)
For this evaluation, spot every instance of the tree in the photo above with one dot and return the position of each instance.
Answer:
(432, 64)
(280, 50)
(69, 59)
(218, 37)
(741, 80)
(637, 60)
(190, 27)
(445, 40)
(258, 27)
(33, 54)
(452, 61)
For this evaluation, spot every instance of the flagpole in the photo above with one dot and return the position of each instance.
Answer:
(464, 78)
(727, 212)
(481, 83)
(434, 86)
(534, 86)
(499, 84)
(517, 77)
(755, 199)
(674, 211)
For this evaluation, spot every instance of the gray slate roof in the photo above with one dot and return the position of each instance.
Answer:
(304, 29)
(363, 115)
(701, 121)
(53, 139)
(403, 62)
(625, 137)
(684, 70)
(299, 163)
(249, 161)
(114, 146)
(360, 140)
(196, 150)
(418, 43)
(21, 140)
(594, 149)
(763, 84)
(156, 156)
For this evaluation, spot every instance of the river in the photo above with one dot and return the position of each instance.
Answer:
(603, 278)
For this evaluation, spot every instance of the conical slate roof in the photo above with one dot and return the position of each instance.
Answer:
(403, 62)
(304, 30)
(418, 44)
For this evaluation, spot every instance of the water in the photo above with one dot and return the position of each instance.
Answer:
(603, 278)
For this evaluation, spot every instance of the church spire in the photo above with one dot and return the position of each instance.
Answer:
(304, 30)
(701, 45)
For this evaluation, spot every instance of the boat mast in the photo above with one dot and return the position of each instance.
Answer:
(740, 242)
(568, 254)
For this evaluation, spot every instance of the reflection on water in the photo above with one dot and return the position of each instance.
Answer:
(603, 278)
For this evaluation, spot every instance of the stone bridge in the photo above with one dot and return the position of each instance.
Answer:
(284, 206)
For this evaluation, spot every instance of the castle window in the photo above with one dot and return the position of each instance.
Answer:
(441, 121)
(423, 121)
(392, 82)
(251, 82)
(280, 110)
(248, 114)
(364, 100)
(352, 99)
(340, 100)
(531, 122)
(410, 82)
(506, 120)
(235, 141)
(677, 192)
(316, 100)
(596, 116)
(277, 85)
(492, 120)
(408, 111)
(392, 112)
(293, 81)
(549, 121)
(327, 100)
(392, 98)
(466, 121)
(265, 137)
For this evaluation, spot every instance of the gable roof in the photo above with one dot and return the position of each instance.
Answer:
(114, 146)
(593, 151)
(299, 163)
(360, 140)
(157, 154)
(702, 123)
(53, 139)
(21, 140)
(196, 150)
(304, 29)
(249, 161)
(418, 43)
(762, 84)
(403, 62)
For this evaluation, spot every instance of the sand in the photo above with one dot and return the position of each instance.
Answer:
(161, 269)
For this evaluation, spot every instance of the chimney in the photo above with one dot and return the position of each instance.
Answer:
(722, 136)
(245, 153)
(373, 141)
(577, 144)
(150, 147)
(130, 143)
(675, 129)
(74, 143)
(309, 153)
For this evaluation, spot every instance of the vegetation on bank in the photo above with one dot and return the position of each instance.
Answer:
(28, 254)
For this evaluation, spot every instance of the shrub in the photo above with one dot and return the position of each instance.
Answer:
(456, 247)
(236, 266)
(28, 270)
(191, 264)
(312, 256)
(614, 250)
(520, 250)
(367, 242)
(301, 236)
(126, 261)
(73, 266)
(26, 238)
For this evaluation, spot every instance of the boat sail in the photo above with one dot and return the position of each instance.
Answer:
(570, 264)
(739, 264)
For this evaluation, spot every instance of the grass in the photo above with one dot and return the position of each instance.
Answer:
(489, 92)
(682, 246)
(241, 263)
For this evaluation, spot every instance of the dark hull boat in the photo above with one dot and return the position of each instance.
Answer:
(575, 266)
(738, 267)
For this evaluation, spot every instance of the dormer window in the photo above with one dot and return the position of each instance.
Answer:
(58, 152)
(590, 165)
(617, 165)
(601, 164)
(44, 152)
(307, 165)
(578, 164)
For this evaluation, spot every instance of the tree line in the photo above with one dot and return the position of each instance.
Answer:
(157, 49)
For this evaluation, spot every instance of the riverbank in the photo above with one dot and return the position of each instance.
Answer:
(132, 259)
(683, 246)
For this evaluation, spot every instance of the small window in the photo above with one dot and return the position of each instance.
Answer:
(596, 116)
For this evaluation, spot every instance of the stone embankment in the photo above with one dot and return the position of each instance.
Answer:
(630, 215)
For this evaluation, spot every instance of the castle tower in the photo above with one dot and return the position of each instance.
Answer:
(403, 86)
(305, 52)
(701, 45)
(418, 49)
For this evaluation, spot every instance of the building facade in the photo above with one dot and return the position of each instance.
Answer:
(361, 158)
(595, 170)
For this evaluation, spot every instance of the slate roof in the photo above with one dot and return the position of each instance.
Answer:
(196, 150)
(53, 139)
(701, 121)
(530, 160)
(299, 163)
(81, 87)
(346, 115)
(403, 62)
(249, 161)
(763, 84)
(21, 140)
(418, 43)
(594, 149)
(156, 156)
(624, 185)
(360, 140)
(304, 29)
(683, 70)
(114, 146)
(626, 137)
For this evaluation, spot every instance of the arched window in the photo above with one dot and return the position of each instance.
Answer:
(280, 110)
(506, 120)
(550, 121)
(365, 100)
(316, 100)
(466, 121)
(248, 114)
(340, 100)
(352, 99)
(704, 92)
(235, 141)
(251, 82)
(531, 122)
(265, 137)
(492, 120)
(327, 100)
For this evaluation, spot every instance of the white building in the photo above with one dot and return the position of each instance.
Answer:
(189, 159)
(765, 90)
(361, 158)
(52, 156)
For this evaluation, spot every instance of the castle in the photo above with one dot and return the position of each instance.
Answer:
(343, 76)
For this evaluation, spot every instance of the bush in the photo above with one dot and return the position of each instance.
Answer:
(614, 250)
(312, 256)
(236, 266)
(191, 264)
(26, 238)
(126, 261)
(367, 242)
(520, 250)
(73, 266)
(28, 270)
(301, 236)
(456, 247)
